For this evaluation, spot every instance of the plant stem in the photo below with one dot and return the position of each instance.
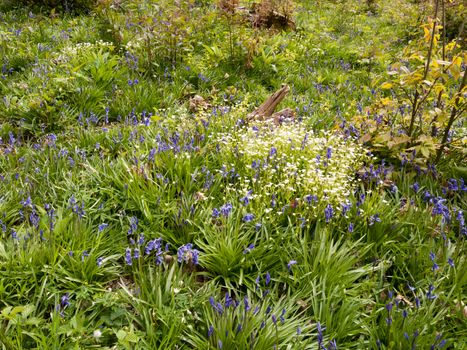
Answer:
(452, 118)
(416, 105)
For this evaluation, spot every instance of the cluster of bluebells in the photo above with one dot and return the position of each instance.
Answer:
(156, 249)
(439, 207)
(223, 211)
(186, 253)
(396, 307)
(75, 207)
(152, 247)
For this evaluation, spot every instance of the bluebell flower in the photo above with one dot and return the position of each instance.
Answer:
(128, 259)
(239, 328)
(389, 307)
(451, 262)
(460, 217)
(133, 225)
(210, 331)
(219, 308)
(430, 294)
(282, 315)
(84, 255)
(212, 301)
(226, 209)
(65, 301)
(248, 217)
(102, 227)
(246, 303)
(345, 208)
(290, 264)
(416, 186)
(136, 253)
(440, 208)
(274, 319)
(228, 300)
(99, 261)
(350, 228)
(249, 248)
(267, 278)
(328, 213)
(320, 330)
(373, 219)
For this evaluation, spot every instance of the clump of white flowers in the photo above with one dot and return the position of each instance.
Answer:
(292, 162)
(69, 52)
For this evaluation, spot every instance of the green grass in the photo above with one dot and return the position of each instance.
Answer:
(130, 221)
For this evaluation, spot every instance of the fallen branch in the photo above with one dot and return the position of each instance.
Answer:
(266, 110)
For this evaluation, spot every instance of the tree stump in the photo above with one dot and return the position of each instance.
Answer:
(266, 110)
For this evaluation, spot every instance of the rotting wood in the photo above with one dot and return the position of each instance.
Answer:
(266, 110)
(284, 114)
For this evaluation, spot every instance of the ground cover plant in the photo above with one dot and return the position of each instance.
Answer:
(140, 208)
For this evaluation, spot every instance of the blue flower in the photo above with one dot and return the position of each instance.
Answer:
(246, 303)
(210, 331)
(248, 217)
(328, 213)
(320, 334)
(133, 225)
(373, 219)
(102, 227)
(228, 300)
(239, 328)
(188, 254)
(267, 278)
(249, 248)
(128, 259)
(65, 301)
(84, 255)
(226, 209)
(290, 264)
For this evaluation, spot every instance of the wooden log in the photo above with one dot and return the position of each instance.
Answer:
(268, 107)
(282, 115)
